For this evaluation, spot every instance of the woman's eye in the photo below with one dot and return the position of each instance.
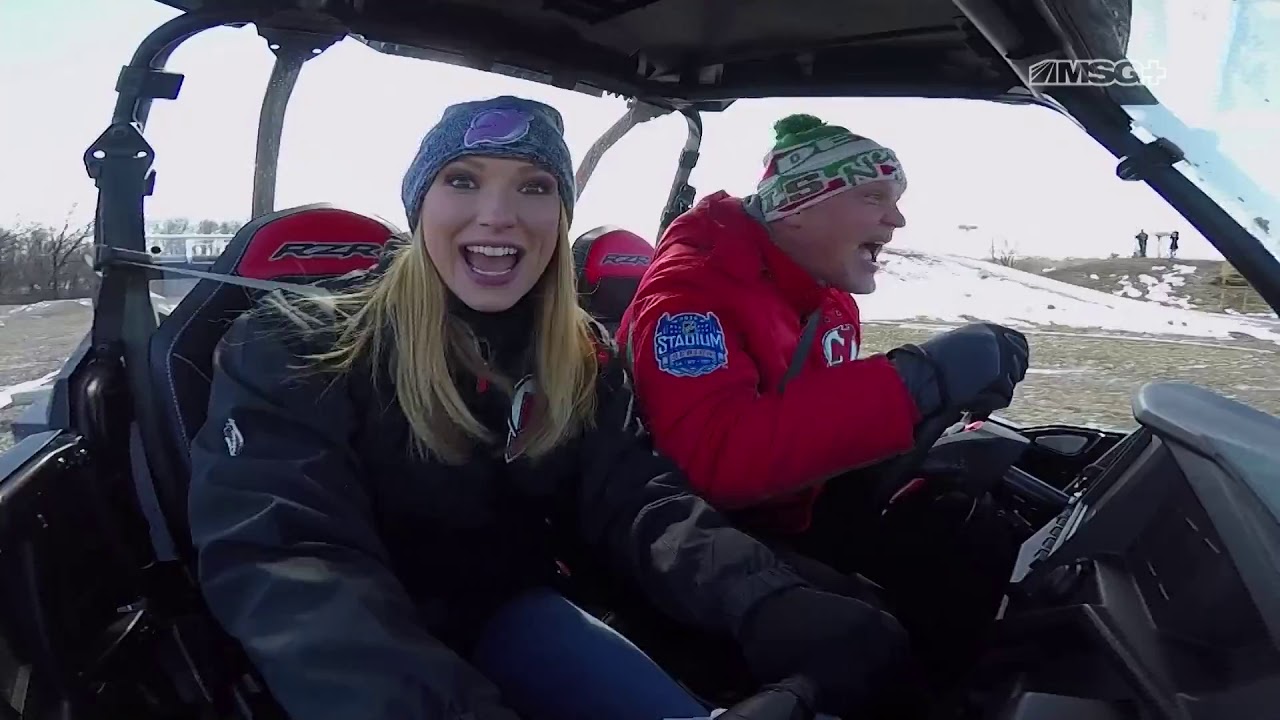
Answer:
(460, 182)
(537, 187)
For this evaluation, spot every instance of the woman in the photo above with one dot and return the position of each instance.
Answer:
(389, 476)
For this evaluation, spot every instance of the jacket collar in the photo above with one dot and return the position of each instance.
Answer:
(753, 251)
(505, 340)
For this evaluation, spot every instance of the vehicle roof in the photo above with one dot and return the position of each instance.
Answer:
(696, 50)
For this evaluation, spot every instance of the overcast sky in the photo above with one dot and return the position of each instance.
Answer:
(1023, 175)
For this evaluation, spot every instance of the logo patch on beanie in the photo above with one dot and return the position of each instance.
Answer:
(500, 126)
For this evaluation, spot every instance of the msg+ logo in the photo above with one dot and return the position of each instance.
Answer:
(1096, 73)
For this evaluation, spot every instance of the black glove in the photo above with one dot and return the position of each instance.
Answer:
(791, 699)
(973, 368)
(850, 651)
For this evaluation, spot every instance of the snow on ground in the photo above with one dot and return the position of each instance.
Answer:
(45, 305)
(160, 302)
(23, 390)
(914, 285)
(1159, 290)
(39, 309)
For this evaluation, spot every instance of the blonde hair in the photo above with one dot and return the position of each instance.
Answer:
(402, 317)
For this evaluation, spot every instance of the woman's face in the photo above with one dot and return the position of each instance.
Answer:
(490, 227)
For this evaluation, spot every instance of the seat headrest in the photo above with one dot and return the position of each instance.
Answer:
(312, 241)
(302, 244)
(610, 262)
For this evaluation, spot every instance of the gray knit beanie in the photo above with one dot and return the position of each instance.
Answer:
(506, 126)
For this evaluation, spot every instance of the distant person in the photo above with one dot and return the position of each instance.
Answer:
(746, 346)
(1142, 243)
(1173, 244)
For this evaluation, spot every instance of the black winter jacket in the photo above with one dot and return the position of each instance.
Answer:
(356, 575)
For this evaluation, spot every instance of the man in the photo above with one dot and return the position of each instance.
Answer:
(746, 346)
(1142, 242)
(1173, 245)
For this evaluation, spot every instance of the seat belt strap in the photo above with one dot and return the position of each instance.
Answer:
(631, 353)
(252, 283)
(802, 350)
(144, 487)
(753, 207)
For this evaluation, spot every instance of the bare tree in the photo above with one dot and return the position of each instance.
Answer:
(39, 261)
(10, 245)
(170, 226)
(181, 225)
(1004, 253)
(62, 247)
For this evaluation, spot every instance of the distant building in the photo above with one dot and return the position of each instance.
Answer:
(183, 250)
(187, 247)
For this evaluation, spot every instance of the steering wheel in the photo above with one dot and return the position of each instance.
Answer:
(900, 471)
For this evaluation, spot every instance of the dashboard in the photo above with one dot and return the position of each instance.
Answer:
(1165, 564)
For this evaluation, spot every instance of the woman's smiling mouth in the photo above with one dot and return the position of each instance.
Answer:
(493, 261)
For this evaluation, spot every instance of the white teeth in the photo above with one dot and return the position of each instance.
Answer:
(491, 250)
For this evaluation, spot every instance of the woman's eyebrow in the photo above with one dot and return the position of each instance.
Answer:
(533, 171)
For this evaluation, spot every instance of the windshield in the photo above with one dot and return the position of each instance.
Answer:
(1218, 87)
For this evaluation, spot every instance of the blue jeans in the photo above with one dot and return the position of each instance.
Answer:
(552, 661)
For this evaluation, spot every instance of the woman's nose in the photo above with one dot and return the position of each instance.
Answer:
(497, 209)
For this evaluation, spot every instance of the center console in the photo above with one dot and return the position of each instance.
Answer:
(1155, 592)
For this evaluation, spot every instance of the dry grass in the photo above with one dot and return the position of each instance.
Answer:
(34, 341)
(1086, 379)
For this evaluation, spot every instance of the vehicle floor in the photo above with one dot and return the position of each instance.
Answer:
(1077, 376)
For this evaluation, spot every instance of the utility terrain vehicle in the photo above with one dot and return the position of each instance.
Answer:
(1149, 584)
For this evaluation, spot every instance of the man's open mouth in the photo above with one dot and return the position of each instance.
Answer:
(871, 251)
(492, 260)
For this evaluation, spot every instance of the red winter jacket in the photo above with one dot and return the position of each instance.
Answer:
(715, 325)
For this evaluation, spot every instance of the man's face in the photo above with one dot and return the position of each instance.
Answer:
(839, 239)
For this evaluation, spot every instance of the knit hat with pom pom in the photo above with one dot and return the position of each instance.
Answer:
(812, 161)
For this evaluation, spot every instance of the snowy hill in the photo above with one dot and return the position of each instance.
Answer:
(1187, 284)
(922, 286)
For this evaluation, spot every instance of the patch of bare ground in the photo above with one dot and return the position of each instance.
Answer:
(35, 340)
(1208, 285)
(1088, 378)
